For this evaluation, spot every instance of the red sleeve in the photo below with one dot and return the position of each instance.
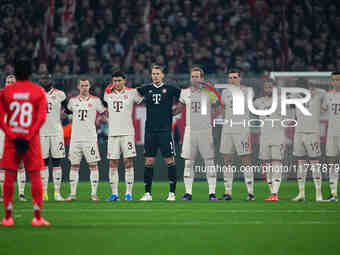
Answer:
(109, 88)
(3, 123)
(41, 115)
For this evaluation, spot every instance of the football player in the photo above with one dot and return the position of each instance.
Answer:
(120, 101)
(84, 137)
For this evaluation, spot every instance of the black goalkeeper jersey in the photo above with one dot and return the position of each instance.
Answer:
(159, 102)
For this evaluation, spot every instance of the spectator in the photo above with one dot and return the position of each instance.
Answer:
(253, 35)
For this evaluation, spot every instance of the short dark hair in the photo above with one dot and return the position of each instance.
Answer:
(84, 78)
(119, 74)
(197, 69)
(335, 73)
(22, 69)
(157, 66)
(234, 70)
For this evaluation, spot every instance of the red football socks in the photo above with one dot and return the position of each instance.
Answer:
(8, 191)
(37, 191)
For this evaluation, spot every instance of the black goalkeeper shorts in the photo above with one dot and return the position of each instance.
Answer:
(162, 140)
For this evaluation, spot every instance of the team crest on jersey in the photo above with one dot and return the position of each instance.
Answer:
(163, 91)
(125, 96)
(90, 105)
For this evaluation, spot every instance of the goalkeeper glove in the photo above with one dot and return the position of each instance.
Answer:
(21, 145)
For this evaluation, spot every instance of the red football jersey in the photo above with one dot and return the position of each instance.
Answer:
(25, 105)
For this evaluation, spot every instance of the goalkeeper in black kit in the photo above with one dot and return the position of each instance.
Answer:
(160, 100)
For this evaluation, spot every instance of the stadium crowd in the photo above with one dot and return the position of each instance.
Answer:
(253, 35)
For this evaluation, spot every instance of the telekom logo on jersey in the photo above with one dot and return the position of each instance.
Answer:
(239, 100)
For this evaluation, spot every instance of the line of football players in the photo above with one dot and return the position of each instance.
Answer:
(117, 107)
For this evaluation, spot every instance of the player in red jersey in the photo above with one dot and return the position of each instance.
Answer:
(25, 105)
(21, 174)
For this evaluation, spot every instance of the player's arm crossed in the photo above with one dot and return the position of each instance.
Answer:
(66, 107)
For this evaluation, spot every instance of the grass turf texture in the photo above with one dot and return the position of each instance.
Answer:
(192, 227)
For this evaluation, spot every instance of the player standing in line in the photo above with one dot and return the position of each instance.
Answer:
(159, 99)
(21, 174)
(198, 134)
(307, 146)
(236, 138)
(51, 136)
(25, 105)
(332, 104)
(84, 137)
(120, 101)
(272, 142)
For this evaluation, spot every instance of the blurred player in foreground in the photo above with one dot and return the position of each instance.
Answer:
(51, 136)
(21, 175)
(120, 101)
(84, 137)
(25, 105)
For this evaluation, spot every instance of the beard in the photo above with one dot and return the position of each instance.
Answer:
(268, 93)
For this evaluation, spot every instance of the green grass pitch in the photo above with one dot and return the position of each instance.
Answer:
(194, 227)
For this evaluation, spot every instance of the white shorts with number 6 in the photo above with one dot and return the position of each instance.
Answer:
(87, 149)
(53, 144)
(118, 145)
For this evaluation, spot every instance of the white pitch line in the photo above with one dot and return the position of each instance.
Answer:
(133, 210)
(201, 223)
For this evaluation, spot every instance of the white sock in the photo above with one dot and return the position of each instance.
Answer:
(316, 172)
(44, 179)
(129, 179)
(188, 176)
(21, 179)
(276, 177)
(2, 179)
(269, 176)
(114, 180)
(301, 178)
(74, 179)
(57, 178)
(94, 178)
(211, 175)
(228, 176)
(333, 180)
(249, 180)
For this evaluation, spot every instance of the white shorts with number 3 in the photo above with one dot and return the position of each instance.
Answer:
(118, 145)
(87, 149)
